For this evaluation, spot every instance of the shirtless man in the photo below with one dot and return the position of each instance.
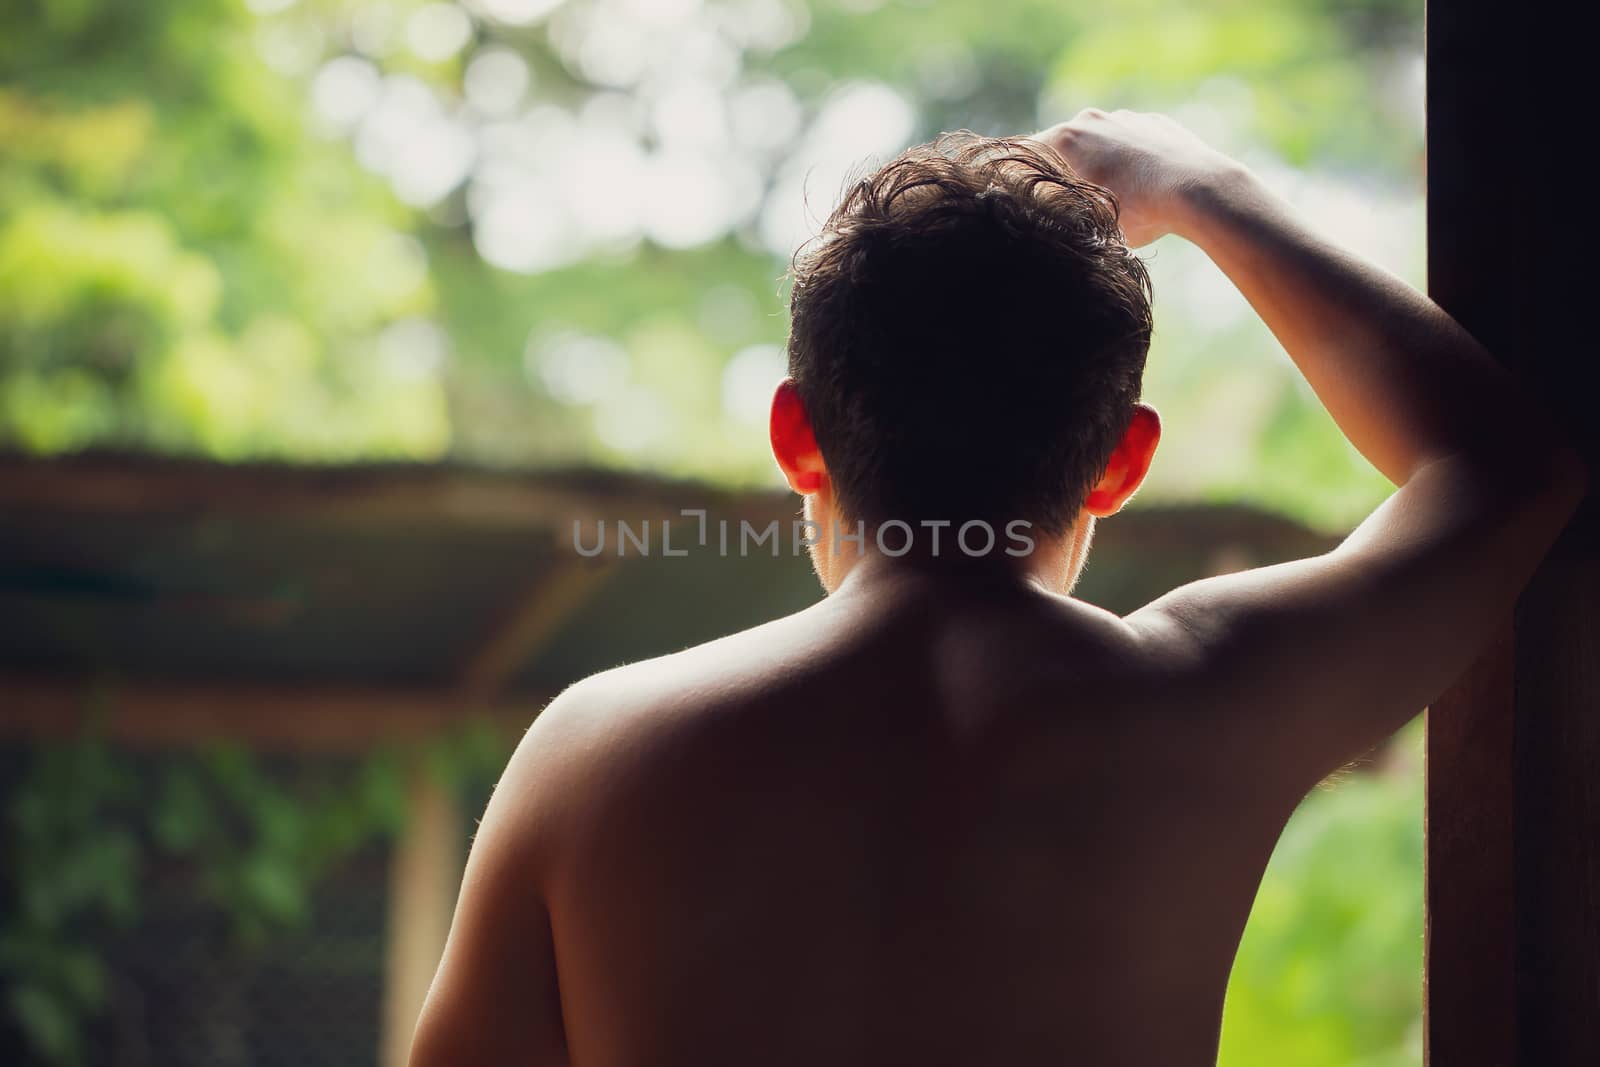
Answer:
(950, 814)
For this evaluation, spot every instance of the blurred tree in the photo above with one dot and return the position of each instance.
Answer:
(589, 205)
(181, 267)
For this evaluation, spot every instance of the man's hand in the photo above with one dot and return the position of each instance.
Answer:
(1149, 161)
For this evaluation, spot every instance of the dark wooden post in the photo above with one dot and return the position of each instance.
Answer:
(1513, 942)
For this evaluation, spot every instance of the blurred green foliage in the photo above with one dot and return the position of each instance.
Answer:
(181, 266)
(84, 821)
(1329, 969)
(195, 258)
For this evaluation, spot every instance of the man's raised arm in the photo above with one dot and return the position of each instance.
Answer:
(1322, 658)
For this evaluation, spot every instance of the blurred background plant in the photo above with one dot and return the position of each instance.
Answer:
(249, 837)
(534, 233)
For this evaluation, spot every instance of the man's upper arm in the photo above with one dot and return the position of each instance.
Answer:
(1313, 662)
(495, 998)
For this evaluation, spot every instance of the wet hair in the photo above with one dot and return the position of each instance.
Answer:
(968, 334)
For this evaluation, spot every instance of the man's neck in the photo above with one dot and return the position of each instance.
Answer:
(1050, 565)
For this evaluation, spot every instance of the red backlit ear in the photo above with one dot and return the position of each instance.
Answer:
(794, 444)
(1128, 465)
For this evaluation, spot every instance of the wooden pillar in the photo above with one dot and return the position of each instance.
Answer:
(424, 875)
(1513, 934)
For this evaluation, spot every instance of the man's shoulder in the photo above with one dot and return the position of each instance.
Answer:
(634, 700)
(750, 656)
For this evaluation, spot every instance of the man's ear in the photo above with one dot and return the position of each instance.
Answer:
(794, 443)
(1128, 465)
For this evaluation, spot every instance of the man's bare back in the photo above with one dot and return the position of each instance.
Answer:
(950, 814)
(913, 824)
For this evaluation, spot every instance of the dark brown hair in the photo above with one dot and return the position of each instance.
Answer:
(968, 333)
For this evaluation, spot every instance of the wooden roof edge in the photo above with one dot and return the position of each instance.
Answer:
(306, 717)
(119, 482)
(122, 482)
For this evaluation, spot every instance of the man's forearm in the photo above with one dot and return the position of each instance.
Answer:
(1404, 382)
